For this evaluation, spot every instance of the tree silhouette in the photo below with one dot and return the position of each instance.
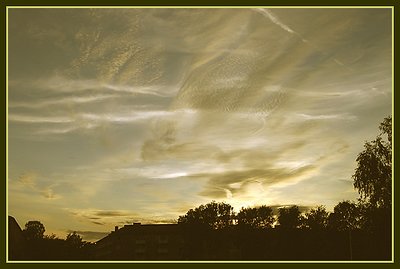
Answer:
(256, 217)
(74, 240)
(289, 217)
(212, 215)
(50, 237)
(373, 175)
(34, 230)
(346, 216)
(317, 218)
(374, 219)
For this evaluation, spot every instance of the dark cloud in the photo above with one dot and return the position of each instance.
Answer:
(302, 208)
(90, 235)
(101, 217)
(97, 223)
(110, 213)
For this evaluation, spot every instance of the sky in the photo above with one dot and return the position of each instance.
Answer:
(138, 115)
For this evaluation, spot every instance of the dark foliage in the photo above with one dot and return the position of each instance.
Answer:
(290, 217)
(257, 217)
(373, 175)
(34, 230)
(212, 215)
(317, 218)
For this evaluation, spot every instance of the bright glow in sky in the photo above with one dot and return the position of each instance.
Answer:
(137, 115)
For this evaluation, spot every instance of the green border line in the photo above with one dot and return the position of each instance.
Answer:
(6, 217)
(197, 7)
(393, 132)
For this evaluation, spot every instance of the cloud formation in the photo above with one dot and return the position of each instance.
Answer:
(125, 118)
(101, 217)
(90, 236)
(227, 185)
(274, 19)
(30, 182)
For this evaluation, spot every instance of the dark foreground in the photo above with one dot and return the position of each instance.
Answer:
(174, 242)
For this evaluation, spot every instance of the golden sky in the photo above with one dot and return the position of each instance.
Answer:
(137, 115)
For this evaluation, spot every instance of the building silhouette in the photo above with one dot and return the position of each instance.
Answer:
(142, 242)
(16, 240)
(180, 242)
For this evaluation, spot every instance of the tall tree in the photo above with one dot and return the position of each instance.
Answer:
(256, 217)
(34, 230)
(317, 218)
(373, 175)
(346, 216)
(289, 217)
(213, 215)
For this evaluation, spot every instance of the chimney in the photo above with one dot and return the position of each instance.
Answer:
(116, 228)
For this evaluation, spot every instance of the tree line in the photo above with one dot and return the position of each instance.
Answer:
(355, 230)
(39, 246)
(347, 215)
(372, 212)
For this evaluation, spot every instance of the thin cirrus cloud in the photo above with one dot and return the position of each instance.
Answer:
(133, 120)
(267, 13)
(30, 182)
(57, 87)
(100, 217)
(60, 101)
(90, 235)
(38, 119)
(326, 117)
(107, 217)
(87, 121)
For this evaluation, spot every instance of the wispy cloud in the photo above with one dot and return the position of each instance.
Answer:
(223, 185)
(130, 120)
(61, 100)
(90, 235)
(115, 217)
(31, 181)
(172, 175)
(49, 193)
(126, 117)
(28, 179)
(38, 119)
(101, 217)
(273, 18)
(325, 117)
(267, 13)
(87, 121)
(60, 89)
